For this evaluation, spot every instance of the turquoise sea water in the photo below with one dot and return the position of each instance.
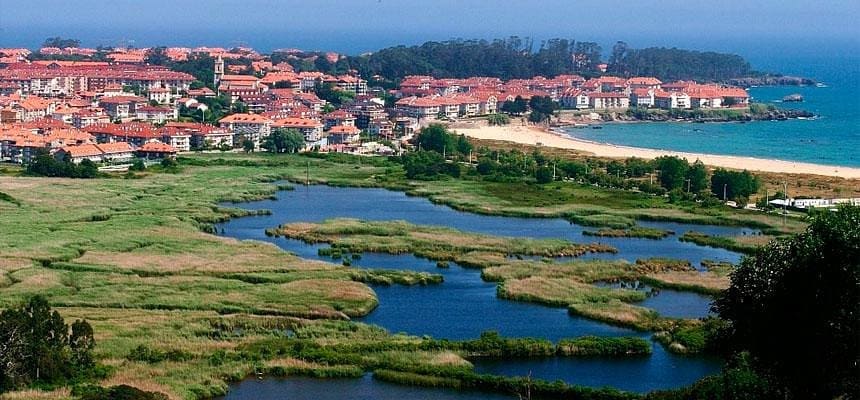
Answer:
(833, 138)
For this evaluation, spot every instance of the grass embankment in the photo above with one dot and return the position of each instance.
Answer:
(572, 285)
(634, 232)
(432, 242)
(741, 244)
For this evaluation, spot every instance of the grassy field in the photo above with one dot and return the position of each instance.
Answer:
(132, 256)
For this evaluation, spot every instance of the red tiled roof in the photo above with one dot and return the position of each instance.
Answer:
(245, 119)
(156, 147)
(296, 123)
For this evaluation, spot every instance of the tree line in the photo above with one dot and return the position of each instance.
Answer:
(510, 58)
(444, 153)
(517, 57)
(38, 347)
(44, 164)
(670, 64)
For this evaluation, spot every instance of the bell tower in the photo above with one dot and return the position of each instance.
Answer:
(219, 70)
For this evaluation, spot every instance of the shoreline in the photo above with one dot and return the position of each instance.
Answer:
(550, 138)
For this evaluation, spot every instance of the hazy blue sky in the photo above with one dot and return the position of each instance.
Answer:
(360, 25)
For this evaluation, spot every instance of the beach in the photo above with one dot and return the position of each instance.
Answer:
(541, 137)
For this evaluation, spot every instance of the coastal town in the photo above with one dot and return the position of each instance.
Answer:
(114, 110)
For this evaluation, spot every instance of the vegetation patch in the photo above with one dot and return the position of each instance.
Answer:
(7, 198)
(435, 243)
(634, 232)
(659, 264)
(724, 242)
(604, 346)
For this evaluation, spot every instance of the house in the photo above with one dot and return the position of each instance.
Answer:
(608, 101)
(643, 82)
(156, 150)
(178, 139)
(642, 97)
(574, 99)
(338, 117)
(342, 134)
(105, 152)
(202, 92)
(365, 111)
(156, 114)
(253, 127)
(311, 129)
(352, 84)
(134, 133)
(160, 95)
(419, 107)
(90, 116)
(488, 102)
(199, 136)
(671, 100)
(382, 128)
(406, 126)
(122, 107)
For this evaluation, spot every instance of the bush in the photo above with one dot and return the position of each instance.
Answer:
(145, 354)
(603, 346)
(544, 175)
(137, 165)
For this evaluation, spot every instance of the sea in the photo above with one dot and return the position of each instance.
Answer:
(831, 138)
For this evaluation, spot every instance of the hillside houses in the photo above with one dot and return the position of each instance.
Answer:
(427, 98)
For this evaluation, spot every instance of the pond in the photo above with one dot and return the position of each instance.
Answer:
(449, 310)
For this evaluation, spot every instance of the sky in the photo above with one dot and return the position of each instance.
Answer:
(355, 26)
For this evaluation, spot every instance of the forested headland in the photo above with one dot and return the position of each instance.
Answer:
(516, 57)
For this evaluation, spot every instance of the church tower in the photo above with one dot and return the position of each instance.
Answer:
(219, 70)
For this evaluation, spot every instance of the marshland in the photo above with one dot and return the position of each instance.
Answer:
(179, 310)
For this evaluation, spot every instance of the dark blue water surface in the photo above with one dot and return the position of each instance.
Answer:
(365, 388)
(464, 305)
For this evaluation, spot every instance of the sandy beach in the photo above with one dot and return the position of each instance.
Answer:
(535, 136)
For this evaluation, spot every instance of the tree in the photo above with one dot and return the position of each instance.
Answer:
(35, 346)
(544, 175)
(795, 308)
(330, 93)
(248, 145)
(44, 164)
(436, 137)
(157, 56)
(82, 343)
(586, 57)
(284, 141)
(498, 119)
(516, 107)
(673, 171)
(738, 186)
(698, 177)
(427, 165)
(61, 43)
(616, 59)
(87, 169)
(137, 165)
(542, 108)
